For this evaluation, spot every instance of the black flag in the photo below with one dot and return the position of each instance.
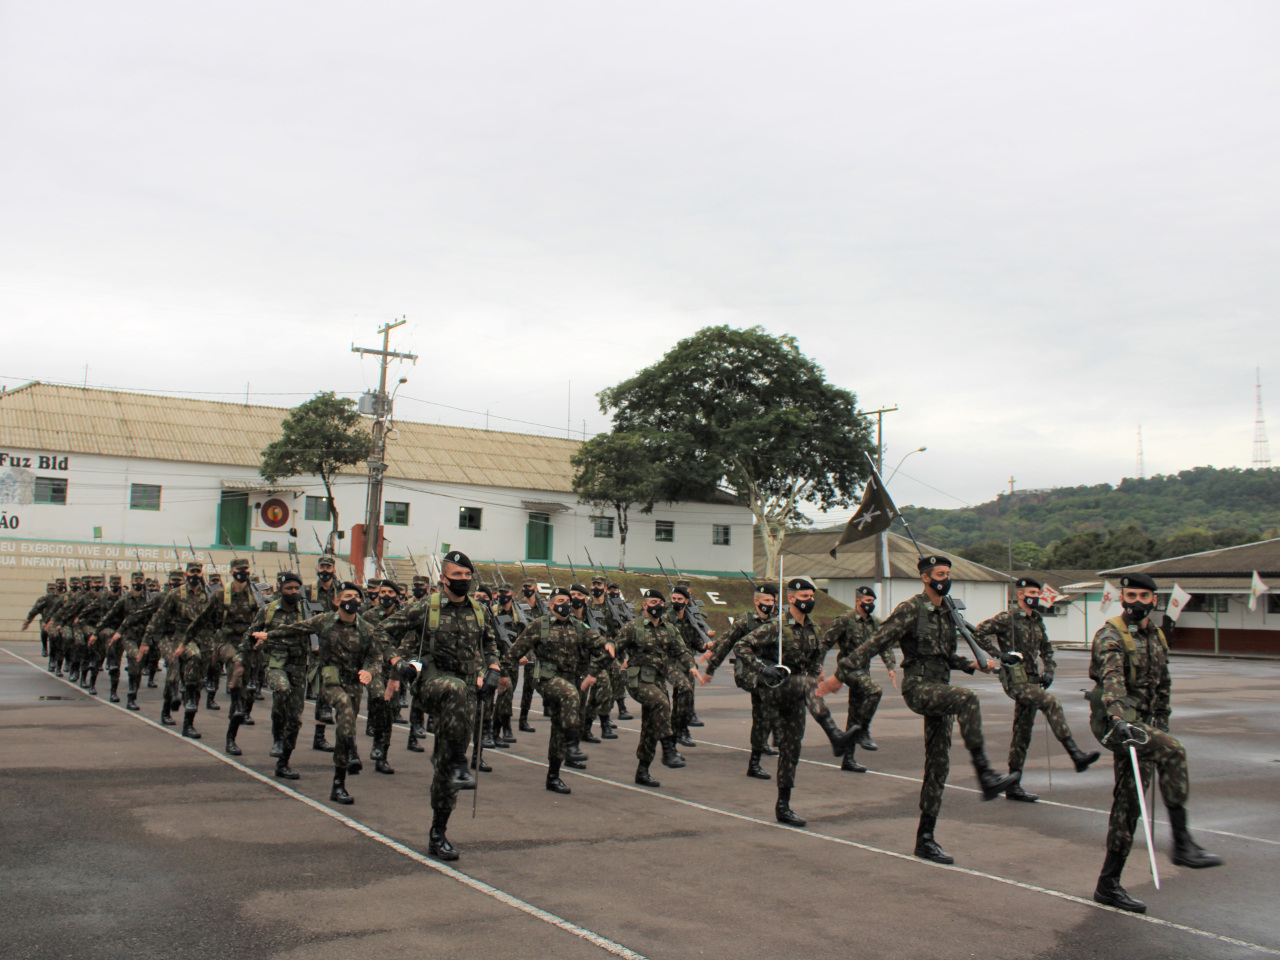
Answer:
(873, 516)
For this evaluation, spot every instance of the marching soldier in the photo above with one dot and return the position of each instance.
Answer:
(123, 626)
(565, 649)
(323, 592)
(460, 664)
(928, 638)
(1131, 704)
(605, 692)
(222, 624)
(682, 712)
(847, 633)
(787, 663)
(505, 703)
(537, 607)
(42, 608)
(175, 612)
(86, 616)
(380, 708)
(617, 679)
(349, 658)
(765, 606)
(1021, 630)
(579, 599)
(95, 650)
(653, 654)
(48, 624)
(77, 598)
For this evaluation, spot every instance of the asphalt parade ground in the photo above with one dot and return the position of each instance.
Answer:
(120, 839)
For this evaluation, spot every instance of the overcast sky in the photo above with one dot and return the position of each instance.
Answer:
(1031, 226)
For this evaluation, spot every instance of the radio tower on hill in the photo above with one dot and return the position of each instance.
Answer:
(1261, 449)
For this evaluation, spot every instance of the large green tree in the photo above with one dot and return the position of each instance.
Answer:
(318, 437)
(746, 411)
(618, 471)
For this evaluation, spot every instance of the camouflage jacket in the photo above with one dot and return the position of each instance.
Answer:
(642, 643)
(802, 649)
(120, 612)
(464, 642)
(563, 648)
(291, 651)
(99, 606)
(1141, 681)
(720, 650)
(228, 612)
(134, 624)
(70, 608)
(923, 631)
(345, 648)
(848, 633)
(605, 617)
(688, 632)
(1029, 638)
(319, 593)
(177, 609)
(44, 605)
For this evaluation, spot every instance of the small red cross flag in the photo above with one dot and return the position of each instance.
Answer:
(1109, 594)
(1177, 602)
(1049, 596)
(1257, 589)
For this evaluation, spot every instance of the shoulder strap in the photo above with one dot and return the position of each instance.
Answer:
(272, 607)
(1130, 648)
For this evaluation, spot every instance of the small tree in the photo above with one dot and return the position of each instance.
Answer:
(319, 437)
(747, 410)
(618, 471)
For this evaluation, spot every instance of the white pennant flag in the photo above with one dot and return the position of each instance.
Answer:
(1177, 602)
(1049, 596)
(1109, 594)
(1256, 590)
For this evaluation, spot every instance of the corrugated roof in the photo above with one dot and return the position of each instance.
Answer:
(115, 423)
(856, 561)
(1242, 561)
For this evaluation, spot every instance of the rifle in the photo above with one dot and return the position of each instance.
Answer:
(539, 607)
(693, 611)
(505, 625)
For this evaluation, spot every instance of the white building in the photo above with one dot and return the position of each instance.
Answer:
(109, 467)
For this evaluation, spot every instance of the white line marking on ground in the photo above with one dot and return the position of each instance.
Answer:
(617, 949)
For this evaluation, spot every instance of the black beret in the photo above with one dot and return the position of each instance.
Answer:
(866, 592)
(1028, 582)
(1137, 581)
(290, 577)
(579, 587)
(560, 592)
(390, 583)
(770, 588)
(653, 593)
(349, 585)
(460, 558)
(682, 590)
(926, 564)
(799, 583)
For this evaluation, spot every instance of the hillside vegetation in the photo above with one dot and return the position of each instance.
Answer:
(1095, 527)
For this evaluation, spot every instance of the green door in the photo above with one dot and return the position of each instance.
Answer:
(233, 519)
(537, 539)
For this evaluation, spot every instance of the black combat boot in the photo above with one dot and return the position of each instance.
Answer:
(850, 764)
(189, 724)
(463, 777)
(864, 737)
(438, 844)
(73, 671)
(417, 724)
(768, 751)
(499, 739)
(525, 725)
(380, 764)
(573, 755)
(318, 742)
(622, 709)
(151, 678)
(339, 792)
(1109, 892)
(841, 740)
(354, 764)
(926, 847)
(682, 736)
(782, 809)
(1078, 756)
(277, 738)
(113, 694)
(283, 770)
(554, 783)
(233, 726)
(44, 645)
(606, 728)
(1186, 852)
(413, 746)
(643, 778)
(695, 720)
(754, 770)
(92, 684)
(376, 752)
(131, 701)
(507, 735)
(165, 708)
(670, 755)
(246, 706)
(1015, 791)
(209, 702)
(368, 728)
(587, 735)
(486, 732)
(53, 665)
(992, 783)
(326, 713)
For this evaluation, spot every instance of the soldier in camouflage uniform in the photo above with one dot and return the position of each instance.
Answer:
(847, 633)
(928, 638)
(788, 679)
(682, 702)
(95, 650)
(121, 644)
(765, 604)
(460, 664)
(152, 654)
(78, 597)
(504, 706)
(168, 627)
(48, 618)
(617, 678)
(380, 708)
(537, 608)
(612, 683)
(349, 658)
(653, 654)
(86, 616)
(325, 593)
(219, 630)
(42, 608)
(1131, 704)
(565, 649)
(595, 698)
(1021, 630)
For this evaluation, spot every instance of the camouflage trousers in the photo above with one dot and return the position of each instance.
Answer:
(90, 655)
(451, 702)
(124, 650)
(288, 688)
(787, 704)
(381, 710)
(191, 663)
(941, 703)
(1029, 699)
(172, 669)
(562, 700)
(655, 718)
(1161, 752)
(504, 703)
(617, 683)
(681, 698)
(596, 700)
(526, 692)
(344, 700)
(864, 696)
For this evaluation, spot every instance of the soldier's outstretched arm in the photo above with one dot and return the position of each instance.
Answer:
(895, 627)
(991, 631)
(303, 628)
(1108, 653)
(522, 646)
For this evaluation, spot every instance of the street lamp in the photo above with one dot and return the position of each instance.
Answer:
(904, 460)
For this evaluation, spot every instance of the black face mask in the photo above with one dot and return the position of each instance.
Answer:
(350, 606)
(765, 610)
(597, 593)
(419, 591)
(678, 605)
(457, 586)
(1137, 610)
(387, 602)
(240, 576)
(194, 581)
(528, 592)
(806, 606)
(324, 576)
(866, 608)
(506, 599)
(940, 587)
(137, 587)
(1033, 603)
(578, 602)
(289, 599)
(561, 609)
(656, 610)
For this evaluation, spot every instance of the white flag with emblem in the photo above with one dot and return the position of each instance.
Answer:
(1109, 594)
(1256, 590)
(1177, 602)
(1049, 596)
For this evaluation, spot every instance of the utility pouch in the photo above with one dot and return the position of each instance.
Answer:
(330, 677)
(543, 670)
(276, 662)
(1099, 719)
(1014, 674)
